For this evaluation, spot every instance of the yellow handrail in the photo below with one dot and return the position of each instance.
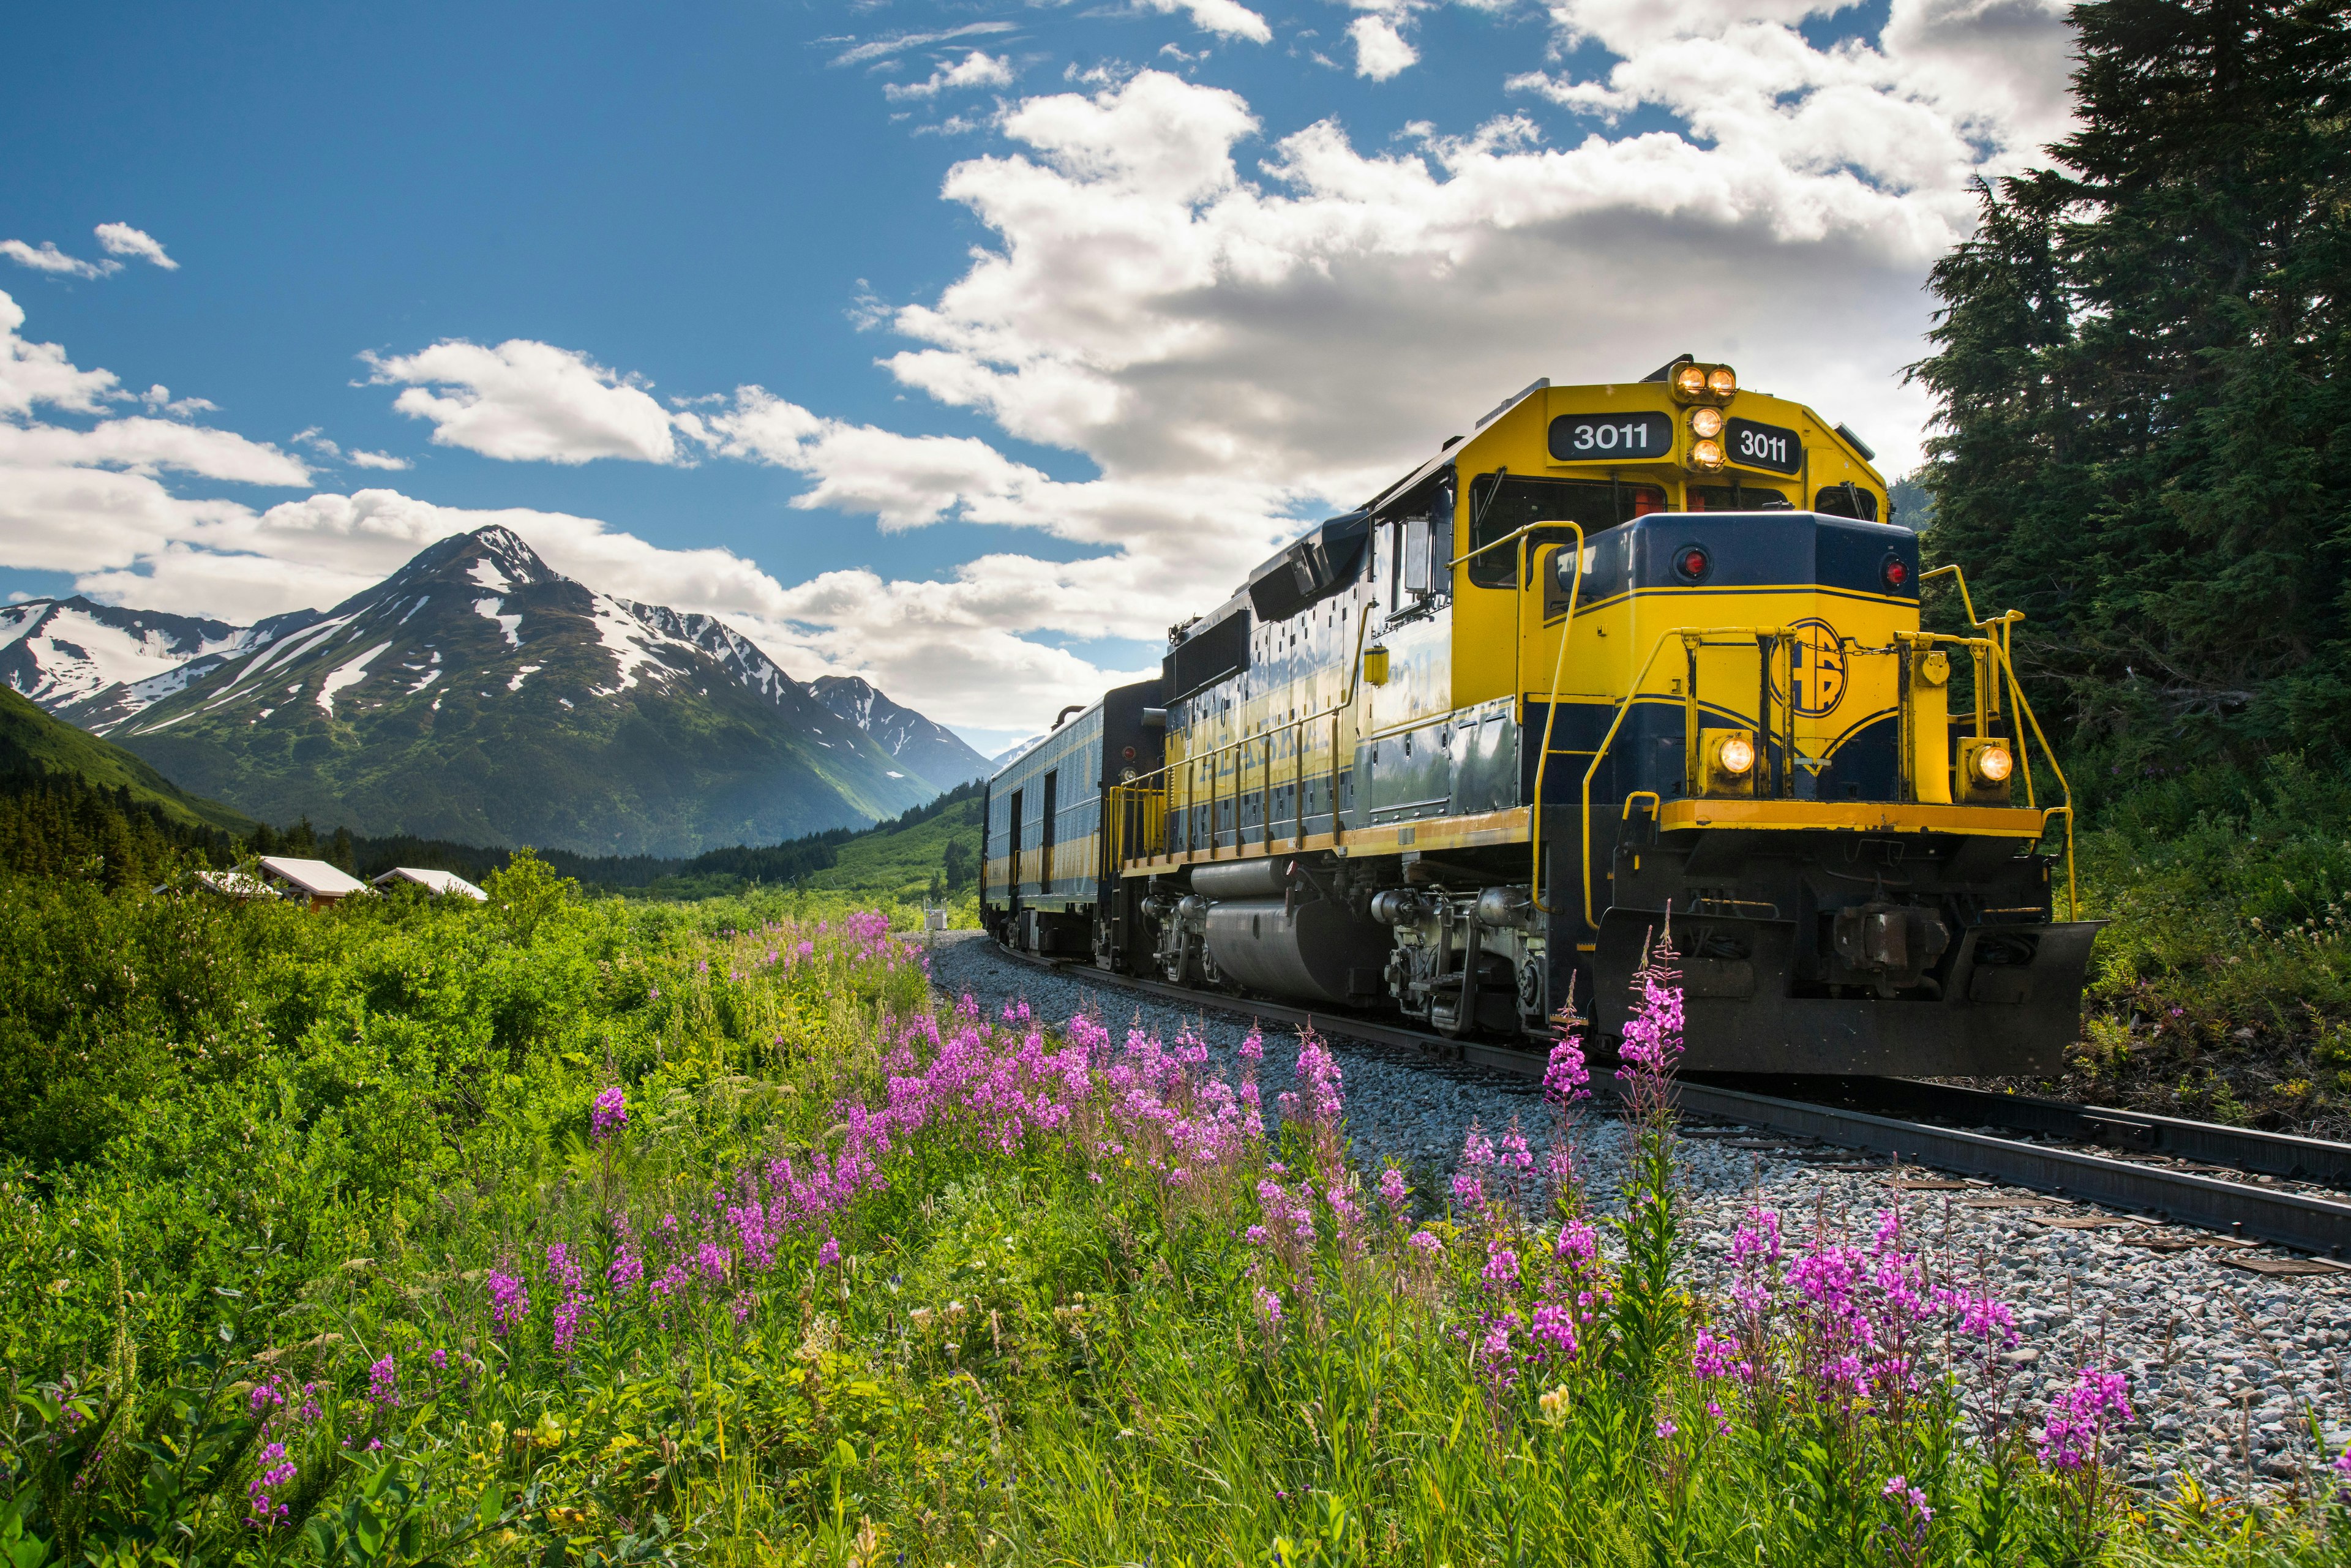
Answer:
(2007, 621)
(1346, 701)
(1551, 717)
(1632, 694)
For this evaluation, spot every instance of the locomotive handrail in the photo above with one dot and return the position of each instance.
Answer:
(1696, 638)
(1296, 725)
(1692, 636)
(1551, 713)
(2006, 622)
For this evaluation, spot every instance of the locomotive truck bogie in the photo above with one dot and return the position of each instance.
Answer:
(1605, 673)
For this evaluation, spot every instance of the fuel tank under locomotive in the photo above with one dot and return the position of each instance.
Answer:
(1268, 927)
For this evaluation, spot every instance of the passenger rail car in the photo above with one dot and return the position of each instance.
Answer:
(1627, 656)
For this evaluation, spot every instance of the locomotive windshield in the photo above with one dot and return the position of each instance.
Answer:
(1502, 504)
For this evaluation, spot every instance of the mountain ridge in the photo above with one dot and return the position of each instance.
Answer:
(478, 694)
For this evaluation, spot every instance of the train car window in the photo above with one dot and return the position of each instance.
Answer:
(1502, 504)
(1048, 820)
(1738, 498)
(1847, 500)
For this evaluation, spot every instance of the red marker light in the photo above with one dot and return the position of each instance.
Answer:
(1692, 563)
(1897, 573)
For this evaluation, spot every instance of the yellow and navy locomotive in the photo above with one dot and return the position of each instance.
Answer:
(1627, 659)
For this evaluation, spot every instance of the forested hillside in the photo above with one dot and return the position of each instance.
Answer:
(2140, 367)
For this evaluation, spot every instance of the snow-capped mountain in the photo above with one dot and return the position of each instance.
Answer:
(63, 650)
(479, 695)
(923, 747)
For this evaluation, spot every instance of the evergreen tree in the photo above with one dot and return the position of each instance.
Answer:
(2139, 366)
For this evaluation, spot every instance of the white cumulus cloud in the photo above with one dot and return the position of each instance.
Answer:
(1381, 51)
(1227, 18)
(34, 373)
(527, 401)
(978, 68)
(121, 239)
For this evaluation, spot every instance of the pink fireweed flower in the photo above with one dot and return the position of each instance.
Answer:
(1565, 1078)
(1578, 1243)
(1653, 1036)
(275, 1471)
(611, 1113)
(1269, 1306)
(1259, 1236)
(1318, 1070)
(1493, 1356)
(828, 1254)
(1515, 1153)
(628, 1267)
(1252, 1046)
(1394, 1192)
(1758, 1238)
(1424, 1242)
(1502, 1270)
(1712, 1357)
(2080, 1416)
(1911, 1501)
(510, 1302)
(1665, 1428)
(383, 1385)
(1554, 1326)
(563, 1272)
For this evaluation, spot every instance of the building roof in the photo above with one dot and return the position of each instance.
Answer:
(434, 882)
(316, 878)
(233, 884)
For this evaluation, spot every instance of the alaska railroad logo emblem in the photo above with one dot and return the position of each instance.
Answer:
(1816, 662)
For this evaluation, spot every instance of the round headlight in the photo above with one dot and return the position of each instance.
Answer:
(1722, 381)
(1734, 754)
(1994, 764)
(1705, 454)
(1706, 422)
(1691, 381)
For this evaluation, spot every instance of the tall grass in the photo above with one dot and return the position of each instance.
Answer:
(766, 1256)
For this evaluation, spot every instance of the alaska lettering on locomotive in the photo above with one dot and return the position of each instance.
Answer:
(1627, 654)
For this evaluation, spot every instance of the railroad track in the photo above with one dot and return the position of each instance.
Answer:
(1909, 1120)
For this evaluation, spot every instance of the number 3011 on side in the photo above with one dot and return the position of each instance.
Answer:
(1597, 437)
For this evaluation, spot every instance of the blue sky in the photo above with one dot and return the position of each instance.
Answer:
(1059, 314)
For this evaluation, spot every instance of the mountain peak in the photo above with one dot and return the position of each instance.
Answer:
(494, 559)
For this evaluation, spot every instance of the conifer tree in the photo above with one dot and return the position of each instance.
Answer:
(2145, 429)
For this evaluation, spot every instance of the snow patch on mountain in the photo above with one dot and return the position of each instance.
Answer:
(349, 673)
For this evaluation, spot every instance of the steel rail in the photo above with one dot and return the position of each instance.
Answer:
(2180, 1197)
(2205, 1143)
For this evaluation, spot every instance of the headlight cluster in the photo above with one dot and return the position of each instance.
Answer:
(1696, 383)
(1710, 387)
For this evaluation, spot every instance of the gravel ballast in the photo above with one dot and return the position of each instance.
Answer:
(2224, 1364)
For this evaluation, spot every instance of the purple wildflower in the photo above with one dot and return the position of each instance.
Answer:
(611, 1115)
(2080, 1417)
(510, 1302)
(383, 1385)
